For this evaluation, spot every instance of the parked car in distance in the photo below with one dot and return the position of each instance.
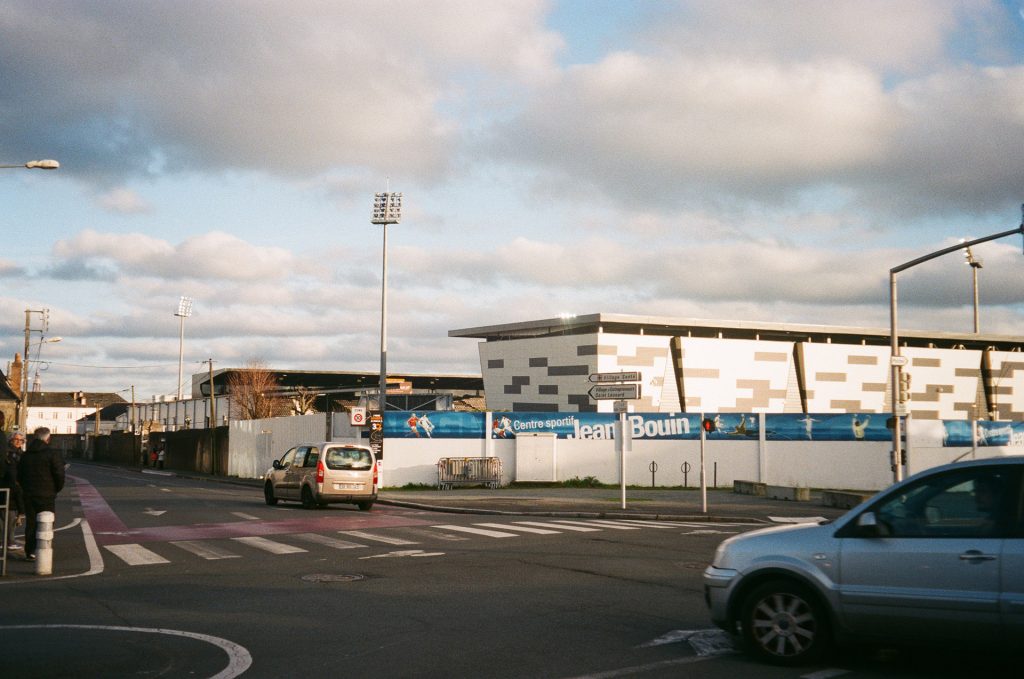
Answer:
(317, 474)
(937, 558)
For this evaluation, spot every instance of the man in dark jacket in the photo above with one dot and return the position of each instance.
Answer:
(41, 475)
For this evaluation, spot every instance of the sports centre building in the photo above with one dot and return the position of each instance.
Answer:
(690, 365)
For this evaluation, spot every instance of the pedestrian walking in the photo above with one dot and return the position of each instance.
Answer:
(160, 455)
(41, 475)
(9, 480)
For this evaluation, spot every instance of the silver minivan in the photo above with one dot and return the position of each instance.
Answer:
(317, 474)
(936, 558)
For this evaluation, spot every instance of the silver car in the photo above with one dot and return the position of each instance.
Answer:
(938, 557)
(316, 474)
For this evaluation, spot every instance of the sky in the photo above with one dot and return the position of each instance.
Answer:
(756, 161)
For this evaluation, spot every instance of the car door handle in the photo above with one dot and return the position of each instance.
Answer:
(975, 555)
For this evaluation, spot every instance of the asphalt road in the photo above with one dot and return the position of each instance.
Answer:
(170, 577)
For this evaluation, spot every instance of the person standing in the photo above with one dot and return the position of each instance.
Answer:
(9, 480)
(41, 475)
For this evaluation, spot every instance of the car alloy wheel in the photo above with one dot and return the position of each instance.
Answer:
(783, 623)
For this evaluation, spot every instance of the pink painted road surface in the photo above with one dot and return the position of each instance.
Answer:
(109, 529)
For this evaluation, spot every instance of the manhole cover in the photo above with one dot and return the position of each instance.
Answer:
(330, 577)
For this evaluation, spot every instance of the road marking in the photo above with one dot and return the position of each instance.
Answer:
(825, 674)
(436, 535)
(704, 642)
(525, 529)
(239, 659)
(135, 555)
(70, 525)
(154, 512)
(650, 524)
(579, 529)
(328, 541)
(478, 531)
(204, 550)
(640, 669)
(247, 517)
(593, 524)
(269, 545)
(797, 519)
(403, 553)
(617, 525)
(377, 538)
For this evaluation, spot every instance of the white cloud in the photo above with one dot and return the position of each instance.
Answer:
(124, 201)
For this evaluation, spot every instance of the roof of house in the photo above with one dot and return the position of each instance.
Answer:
(72, 399)
(6, 392)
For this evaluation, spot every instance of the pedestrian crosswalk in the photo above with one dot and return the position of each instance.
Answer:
(157, 553)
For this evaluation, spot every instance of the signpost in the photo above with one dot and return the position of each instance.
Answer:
(610, 387)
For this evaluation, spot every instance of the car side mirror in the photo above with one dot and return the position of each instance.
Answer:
(277, 464)
(868, 526)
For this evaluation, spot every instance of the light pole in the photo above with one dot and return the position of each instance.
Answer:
(45, 325)
(975, 264)
(183, 312)
(34, 165)
(387, 209)
(896, 361)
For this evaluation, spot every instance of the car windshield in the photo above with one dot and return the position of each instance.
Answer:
(348, 458)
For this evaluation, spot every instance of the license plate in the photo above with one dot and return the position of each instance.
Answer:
(348, 486)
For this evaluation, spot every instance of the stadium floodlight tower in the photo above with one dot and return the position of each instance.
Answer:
(387, 209)
(183, 312)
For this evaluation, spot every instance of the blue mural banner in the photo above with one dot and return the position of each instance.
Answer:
(438, 424)
(957, 433)
(830, 427)
(643, 426)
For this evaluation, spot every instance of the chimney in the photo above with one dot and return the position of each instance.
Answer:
(14, 376)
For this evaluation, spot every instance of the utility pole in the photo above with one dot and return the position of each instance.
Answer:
(213, 421)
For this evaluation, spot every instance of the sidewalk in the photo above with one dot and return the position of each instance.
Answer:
(664, 505)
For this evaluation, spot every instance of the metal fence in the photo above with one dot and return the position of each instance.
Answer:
(453, 471)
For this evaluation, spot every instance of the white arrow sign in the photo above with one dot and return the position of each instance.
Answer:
(606, 392)
(602, 378)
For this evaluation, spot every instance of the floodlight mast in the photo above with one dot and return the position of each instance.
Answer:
(896, 361)
(183, 312)
(387, 209)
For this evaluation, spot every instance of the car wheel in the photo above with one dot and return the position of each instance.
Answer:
(268, 494)
(783, 623)
(308, 501)
(365, 506)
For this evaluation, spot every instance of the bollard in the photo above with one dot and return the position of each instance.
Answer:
(685, 469)
(44, 543)
(653, 467)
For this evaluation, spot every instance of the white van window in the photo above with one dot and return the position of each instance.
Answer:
(348, 458)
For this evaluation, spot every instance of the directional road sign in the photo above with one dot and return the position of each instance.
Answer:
(603, 378)
(607, 392)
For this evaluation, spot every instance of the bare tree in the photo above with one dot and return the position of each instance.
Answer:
(304, 401)
(254, 393)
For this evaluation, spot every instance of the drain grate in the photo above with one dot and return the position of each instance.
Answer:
(332, 577)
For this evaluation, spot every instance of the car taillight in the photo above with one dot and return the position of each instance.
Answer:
(320, 471)
(375, 474)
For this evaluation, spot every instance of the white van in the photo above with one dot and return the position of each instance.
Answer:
(317, 474)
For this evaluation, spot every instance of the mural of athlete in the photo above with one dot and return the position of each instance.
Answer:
(502, 428)
(859, 426)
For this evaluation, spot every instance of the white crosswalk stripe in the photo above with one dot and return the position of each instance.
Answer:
(597, 523)
(135, 555)
(377, 538)
(524, 529)
(269, 545)
(328, 541)
(548, 524)
(479, 531)
(205, 550)
(650, 524)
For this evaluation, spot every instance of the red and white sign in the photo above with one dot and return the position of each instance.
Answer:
(357, 417)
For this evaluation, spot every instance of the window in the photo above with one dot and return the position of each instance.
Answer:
(288, 458)
(962, 503)
(348, 458)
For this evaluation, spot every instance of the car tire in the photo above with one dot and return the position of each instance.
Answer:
(365, 506)
(308, 501)
(268, 494)
(783, 623)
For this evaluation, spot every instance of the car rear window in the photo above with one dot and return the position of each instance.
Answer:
(348, 458)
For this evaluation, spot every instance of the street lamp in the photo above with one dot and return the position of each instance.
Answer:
(896, 361)
(183, 312)
(25, 390)
(34, 165)
(387, 209)
(975, 264)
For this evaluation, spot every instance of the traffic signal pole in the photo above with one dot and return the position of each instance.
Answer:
(703, 475)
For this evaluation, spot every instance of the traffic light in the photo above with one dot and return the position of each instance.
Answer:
(708, 425)
(904, 387)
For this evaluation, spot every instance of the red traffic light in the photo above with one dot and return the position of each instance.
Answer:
(708, 425)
